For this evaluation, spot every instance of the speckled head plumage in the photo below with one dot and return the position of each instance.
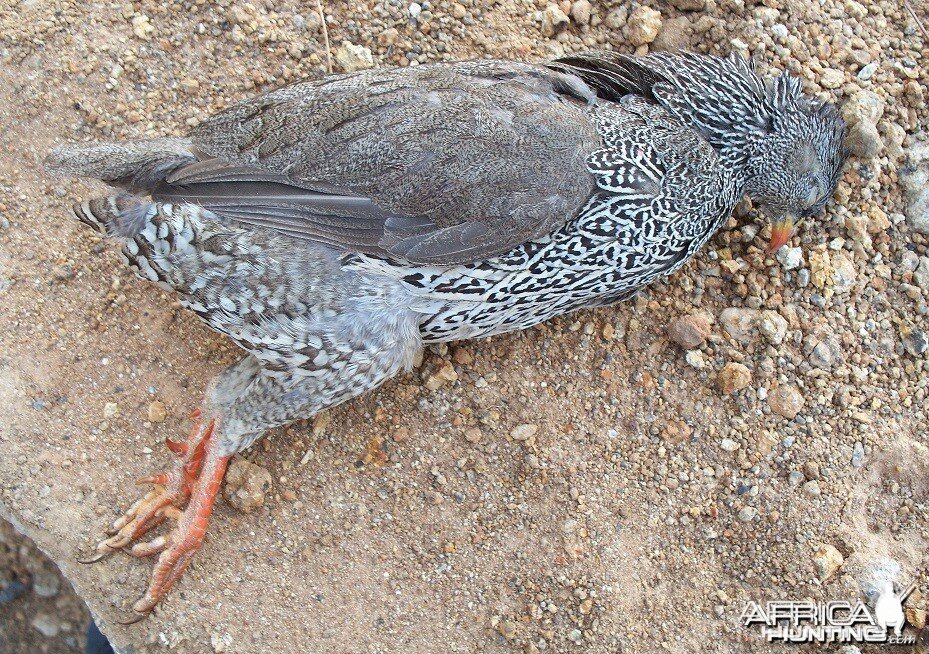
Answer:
(788, 145)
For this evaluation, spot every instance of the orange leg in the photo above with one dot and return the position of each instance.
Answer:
(170, 491)
(179, 547)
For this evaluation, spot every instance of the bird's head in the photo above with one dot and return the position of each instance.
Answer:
(796, 164)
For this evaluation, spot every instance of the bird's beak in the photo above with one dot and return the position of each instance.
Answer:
(781, 231)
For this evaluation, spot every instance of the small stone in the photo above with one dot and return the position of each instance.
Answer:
(617, 18)
(110, 410)
(553, 20)
(246, 485)
(729, 445)
(46, 625)
(811, 470)
(914, 340)
(916, 182)
(473, 435)
(689, 331)
(844, 273)
(45, 582)
(827, 560)
(921, 274)
(864, 140)
(62, 273)
(740, 324)
(747, 513)
(795, 478)
(916, 617)
(523, 432)
(773, 327)
(857, 455)
(811, 488)
(581, 11)
(786, 401)
(643, 25)
(220, 642)
(733, 378)
(790, 258)
(865, 106)
(674, 36)
(351, 57)
(142, 27)
(831, 78)
(575, 636)
(507, 629)
(689, 5)
(157, 411)
(695, 359)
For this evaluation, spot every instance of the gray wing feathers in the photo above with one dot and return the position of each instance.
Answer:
(457, 162)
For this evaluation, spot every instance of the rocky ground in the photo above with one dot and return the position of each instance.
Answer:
(621, 480)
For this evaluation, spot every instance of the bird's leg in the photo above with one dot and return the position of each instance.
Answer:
(170, 491)
(179, 546)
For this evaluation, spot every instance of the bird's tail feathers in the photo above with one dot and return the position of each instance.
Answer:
(121, 216)
(136, 166)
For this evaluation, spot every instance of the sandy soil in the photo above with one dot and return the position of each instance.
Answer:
(640, 510)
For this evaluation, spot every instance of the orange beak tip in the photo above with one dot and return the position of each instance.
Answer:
(780, 234)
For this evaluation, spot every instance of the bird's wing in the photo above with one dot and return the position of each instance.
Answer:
(661, 184)
(439, 164)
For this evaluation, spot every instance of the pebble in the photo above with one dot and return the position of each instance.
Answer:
(507, 629)
(246, 485)
(921, 274)
(811, 488)
(773, 327)
(914, 340)
(733, 377)
(46, 625)
(747, 513)
(740, 324)
(695, 359)
(831, 78)
(351, 57)
(729, 445)
(45, 582)
(790, 258)
(795, 478)
(690, 331)
(786, 401)
(865, 106)
(553, 20)
(110, 410)
(523, 432)
(581, 11)
(916, 182)
(157, 411)
(857, 454)
(864, 140)
(827, 560)
(643, 25)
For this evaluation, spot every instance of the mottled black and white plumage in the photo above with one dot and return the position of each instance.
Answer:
(333, 227)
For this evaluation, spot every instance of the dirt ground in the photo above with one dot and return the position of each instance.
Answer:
(639, 509)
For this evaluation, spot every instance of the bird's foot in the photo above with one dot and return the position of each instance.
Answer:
(169, 493)
(197, 477)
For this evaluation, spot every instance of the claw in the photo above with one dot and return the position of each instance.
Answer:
(97, 557)
(136, 618)
(180, 449)
(198, 476)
